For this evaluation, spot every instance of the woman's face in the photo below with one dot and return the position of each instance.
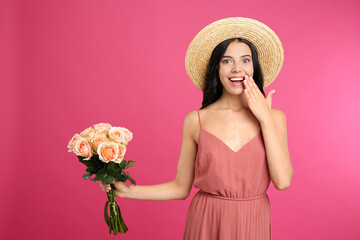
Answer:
(235, 64)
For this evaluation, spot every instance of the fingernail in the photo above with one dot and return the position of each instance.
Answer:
(251, 78)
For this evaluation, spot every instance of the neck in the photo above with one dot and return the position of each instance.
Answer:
(233, 102)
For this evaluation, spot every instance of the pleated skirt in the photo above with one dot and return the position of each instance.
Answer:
(219, 218)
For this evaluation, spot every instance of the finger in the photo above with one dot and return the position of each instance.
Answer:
(270, 95)
(106, 188)
(248, 87)
(102, 185)
(248, 83)
(255, 87)
(247, 94)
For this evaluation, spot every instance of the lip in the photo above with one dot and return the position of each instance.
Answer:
(236, 83)
(237, 77)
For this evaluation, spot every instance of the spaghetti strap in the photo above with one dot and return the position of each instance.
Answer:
(199, 118)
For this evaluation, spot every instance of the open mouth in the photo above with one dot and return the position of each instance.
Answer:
(237, 79)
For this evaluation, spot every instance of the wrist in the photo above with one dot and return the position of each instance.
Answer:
(130, 192)
(268, 120)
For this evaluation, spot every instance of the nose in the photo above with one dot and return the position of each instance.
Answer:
(236, 68)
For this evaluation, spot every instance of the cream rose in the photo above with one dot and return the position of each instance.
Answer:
(128, 135)
(102, 128)
(122, 151)
(97, 140)
(73, 141)
(82, 148)
(88, 133)
(102, 125)
(117, 134)
(108, 151)
(119, 159)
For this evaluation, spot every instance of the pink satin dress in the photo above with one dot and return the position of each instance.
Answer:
(231, 203)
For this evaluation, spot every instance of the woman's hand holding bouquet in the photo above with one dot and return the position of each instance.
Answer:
(102, 149)
(121, 189)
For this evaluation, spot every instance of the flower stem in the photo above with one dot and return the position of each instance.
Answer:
(114, 221)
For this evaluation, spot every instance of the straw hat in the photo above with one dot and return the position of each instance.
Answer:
(267, 43)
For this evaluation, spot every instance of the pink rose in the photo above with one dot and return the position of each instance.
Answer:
(102, 125)
(122, 151)
(119, 159)
(88, 133)
(72, 142)
(108, 151)
(83, 148)
(102, 128)
(97, 140)
(128, 135)
(117, 134)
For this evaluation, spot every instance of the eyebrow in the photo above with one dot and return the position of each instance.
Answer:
(241, 56)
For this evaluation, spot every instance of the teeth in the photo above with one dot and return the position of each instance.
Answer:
(236, 79)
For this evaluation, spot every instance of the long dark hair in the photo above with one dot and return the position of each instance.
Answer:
(213, 87)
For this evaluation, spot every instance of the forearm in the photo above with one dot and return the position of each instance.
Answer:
(278, 159)
(159, 192)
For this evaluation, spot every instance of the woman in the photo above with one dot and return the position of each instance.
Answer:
(236, 143)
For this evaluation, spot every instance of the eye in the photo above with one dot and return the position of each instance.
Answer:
(226, 61)
(246, 60)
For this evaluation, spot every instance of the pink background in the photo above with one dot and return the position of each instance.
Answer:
(66, 65)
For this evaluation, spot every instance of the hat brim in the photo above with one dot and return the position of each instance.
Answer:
(267, 43)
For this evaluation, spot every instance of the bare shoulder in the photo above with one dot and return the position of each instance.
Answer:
(277, 111)
(191, 124)
(191, 119)
(277, 114)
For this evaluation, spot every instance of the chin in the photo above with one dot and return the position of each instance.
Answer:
(238, 91)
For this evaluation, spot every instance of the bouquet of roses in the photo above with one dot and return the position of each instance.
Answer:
(102, 149)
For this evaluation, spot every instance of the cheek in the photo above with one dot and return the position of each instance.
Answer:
(223, 71)
(249, 69)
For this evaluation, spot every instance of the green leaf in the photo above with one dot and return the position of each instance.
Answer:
(87, 175)
(85, 162)
(113, 172)
(101, 171)
(121, 178)
(100, 176)
(123, 164)
(98, 164)
(129, 164)
(91, 169)
(112, 166)
(131, 179)
(81, 159)
(108, 180)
